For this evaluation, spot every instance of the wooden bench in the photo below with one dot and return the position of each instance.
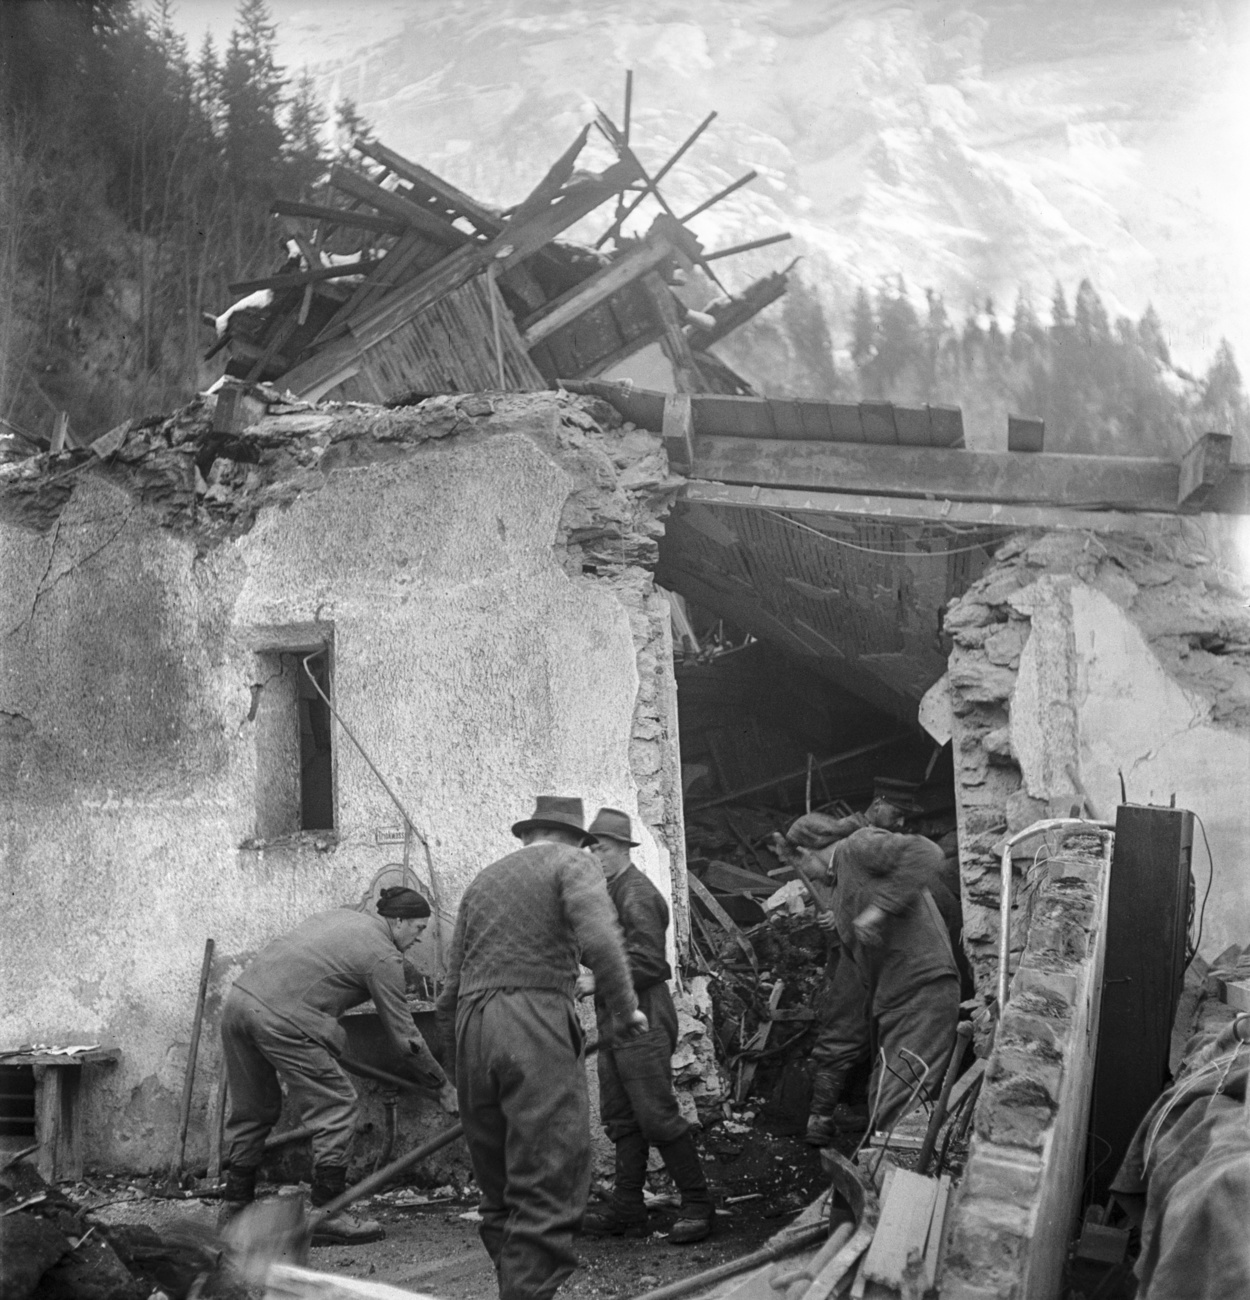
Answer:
(58, 1113)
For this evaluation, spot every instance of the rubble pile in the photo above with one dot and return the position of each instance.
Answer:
(54, 1246)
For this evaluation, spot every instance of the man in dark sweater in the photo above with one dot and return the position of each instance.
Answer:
(280, 1021)
(636, 1100)
(507, 1019)
(896, 982)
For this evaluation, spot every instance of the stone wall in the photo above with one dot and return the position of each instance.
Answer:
(479, 567)
(1077, 659)
(1010, 1223)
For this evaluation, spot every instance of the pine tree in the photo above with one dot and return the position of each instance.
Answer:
(863, 330)
(251, 92)
(1223, 403)
(304, 149)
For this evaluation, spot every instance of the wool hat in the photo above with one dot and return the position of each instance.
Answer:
(399, 902)
(554, 812)
(612, 824)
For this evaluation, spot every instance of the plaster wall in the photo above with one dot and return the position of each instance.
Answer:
(482, 653)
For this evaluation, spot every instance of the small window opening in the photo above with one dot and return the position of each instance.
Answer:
(294, 757)
(316, 774)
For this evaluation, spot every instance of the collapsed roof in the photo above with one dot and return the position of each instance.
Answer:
(404, 286)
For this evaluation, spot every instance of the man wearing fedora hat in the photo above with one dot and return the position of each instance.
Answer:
(636, 1100)
(507, 1020)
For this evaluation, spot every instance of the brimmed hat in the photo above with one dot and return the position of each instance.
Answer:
(612, 824)
(553, 812)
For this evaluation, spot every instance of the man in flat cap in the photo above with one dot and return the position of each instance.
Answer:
(636, 1100)
(507, 1019)
(280, 1021)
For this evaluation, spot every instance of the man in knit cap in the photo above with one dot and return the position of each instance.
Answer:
(636, 1100)
(508, 1021)
(280, 1021)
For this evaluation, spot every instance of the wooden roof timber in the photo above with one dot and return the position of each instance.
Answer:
(394, 205)
(748, 443)
(429, 186)
(337, 216)
(515, 243)
(664, 240)
(1036, 478)
(753, 299)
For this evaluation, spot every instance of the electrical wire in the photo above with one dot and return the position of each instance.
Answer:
(403, 812)
(872, 550)
(1202, 911)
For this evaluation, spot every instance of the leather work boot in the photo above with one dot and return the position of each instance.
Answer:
(697, 1215)
(240, 1192)
(343, 1228)
(822, 1127)
(625, 1215)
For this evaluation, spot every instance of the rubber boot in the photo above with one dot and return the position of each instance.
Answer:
(343, 1228)
(626, 1212)
(822, 1128)
(240, 1192)
(697, 1215)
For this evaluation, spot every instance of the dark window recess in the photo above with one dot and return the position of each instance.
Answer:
(17, 1101)
(294, 758)
(316, 786)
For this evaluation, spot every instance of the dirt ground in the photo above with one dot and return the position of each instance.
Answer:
(760, 1182)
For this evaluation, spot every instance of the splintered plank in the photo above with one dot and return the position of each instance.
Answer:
(395, 205)
(426, 184)
(903, 1228)
(338, 216)
(937, 1226)
(398, 306)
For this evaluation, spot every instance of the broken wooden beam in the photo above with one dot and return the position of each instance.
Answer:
(651, 183)
(296, 279)
(720, 194)
(428, 185)
(748, 246)
(403, 303)
(411, 214)
(678, 432)
(655, 250)
(1090, 482)
(1203, 468)
(337, 216)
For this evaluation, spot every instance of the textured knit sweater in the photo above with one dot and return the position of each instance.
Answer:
(524, 923)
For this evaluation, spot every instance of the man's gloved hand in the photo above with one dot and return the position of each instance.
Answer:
(448, 1099)
(585, 985)
(634, 1025)
(429, 1070)
(868, 924)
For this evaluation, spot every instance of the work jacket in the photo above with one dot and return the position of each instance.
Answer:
(643, 915)
(900, 874)
(328, 964)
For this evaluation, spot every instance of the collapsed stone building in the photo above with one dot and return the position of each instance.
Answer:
(218, 640)
(270, 653)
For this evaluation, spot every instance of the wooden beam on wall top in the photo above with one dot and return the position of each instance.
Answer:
(1203, 468)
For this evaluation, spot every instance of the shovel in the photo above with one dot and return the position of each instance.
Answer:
(279, 1229)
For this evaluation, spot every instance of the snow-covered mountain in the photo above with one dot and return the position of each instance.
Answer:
(972, 147)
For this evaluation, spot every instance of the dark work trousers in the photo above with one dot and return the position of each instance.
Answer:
(856, 1026)
(522, 1088)
(259, 1047)
(636, 1075)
